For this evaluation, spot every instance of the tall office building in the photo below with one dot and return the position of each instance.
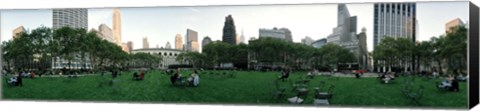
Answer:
(192, 36)
(105, 33)
(394, 20)
(206, 40)
(288, 34)
(345, 34)
(178, 42)
(72, 17)
(319, 43)
(229, 33)
(363, 57)
(195, 46)
(146, 45)
(307, 41)
(242, 38)
(117, 26)
(282, 33)
(130, 46)
(453, 23)
(237, 39)
(17, 31)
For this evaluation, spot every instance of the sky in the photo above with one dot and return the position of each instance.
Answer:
(161, 24)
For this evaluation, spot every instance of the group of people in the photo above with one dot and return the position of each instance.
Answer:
(450, 83)
(192, 80)
(17, 80)
(138, 77)
(387, 77)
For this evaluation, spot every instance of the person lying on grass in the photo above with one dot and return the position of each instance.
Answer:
(12, 81)
(194, 79)
(386, 77)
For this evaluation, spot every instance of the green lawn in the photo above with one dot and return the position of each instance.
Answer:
(255, 88)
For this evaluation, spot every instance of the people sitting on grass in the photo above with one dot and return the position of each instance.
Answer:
(310, 75)
(136, 76)
(176, 78)
(387, 77)
(450, 84)
(142, 75)
(461, 77)
(284, 75)
(194, 79)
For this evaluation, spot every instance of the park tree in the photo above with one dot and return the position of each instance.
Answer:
(195, 58)
(65, 40)
(332, 54)
(455, 50)
(217, 52)
(424, 53)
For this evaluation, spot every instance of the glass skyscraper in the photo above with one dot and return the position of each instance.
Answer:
(73, 17)
(394, 20)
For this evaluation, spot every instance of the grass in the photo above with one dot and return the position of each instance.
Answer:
(253, 88)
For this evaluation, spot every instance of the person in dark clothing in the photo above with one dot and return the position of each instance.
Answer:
(114, 74)
(455, 86)
(174, 78)
(19, 81)
(284, 75)
(135, 76)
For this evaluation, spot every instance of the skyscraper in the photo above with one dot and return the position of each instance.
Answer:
(453, 23)
(105, 33)
(117, 26)
(229, 33)
(17, 31)
(363, 58)
(272, 33)
(242, 38)
(394, 20)
(145, 43)
(345, 34)
(307, 41)
(72, 17)
(178, 42)
(192, 36)
(130, 46)
(206, 40)
(288, 34)
(237, 39)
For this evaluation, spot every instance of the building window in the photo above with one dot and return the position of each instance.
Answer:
(170, 54)
(164, 54)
